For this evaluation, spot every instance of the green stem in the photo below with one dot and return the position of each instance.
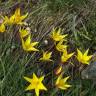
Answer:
(54, 92)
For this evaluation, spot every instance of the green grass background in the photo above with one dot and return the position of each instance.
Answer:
(76, 17)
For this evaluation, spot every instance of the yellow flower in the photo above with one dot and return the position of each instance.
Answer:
(83, 58)
(23, 32)
(62, 83)
(65, 56)
(16, 18)
(28, 46)
(56, 36)
(2, 28)
(35, 83)
(46, 56)
(60, 47)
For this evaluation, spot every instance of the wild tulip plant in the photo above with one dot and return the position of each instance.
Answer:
(61, 46)
(16, 18)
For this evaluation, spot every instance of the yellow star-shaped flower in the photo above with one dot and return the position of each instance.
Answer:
(46, 56)
(56, 36)
(27, 45)
(83, 58)
(61, 83)
(35, 83)
(60, 47)
(23, 32)
(65, 56)
(2, 28)
(16, 18)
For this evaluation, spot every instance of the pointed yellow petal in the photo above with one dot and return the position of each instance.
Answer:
(70, 55)
(53, 31)
(41, 59)
(87, 58)
(79, 55)
(28, 79)
(17, 12)
(41, 78)
(65, 52)
(6, 20)
(2, 28)
(49, 55)
(28, 40)
(65, 35)
(58, 79)
(35, 77)
(64, 87)
(24, 16)
(32, 49)
(86, 62)
(67, 85)
(86, 53)
(66, 78)
(34, 43)
(23, 44)
(12, 19)
(42, 87)
(30, 87)
(59, 31)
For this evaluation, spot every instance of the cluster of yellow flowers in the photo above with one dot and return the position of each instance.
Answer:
(61, 83)
(60, 44)
(59, 40)
(16, 18)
